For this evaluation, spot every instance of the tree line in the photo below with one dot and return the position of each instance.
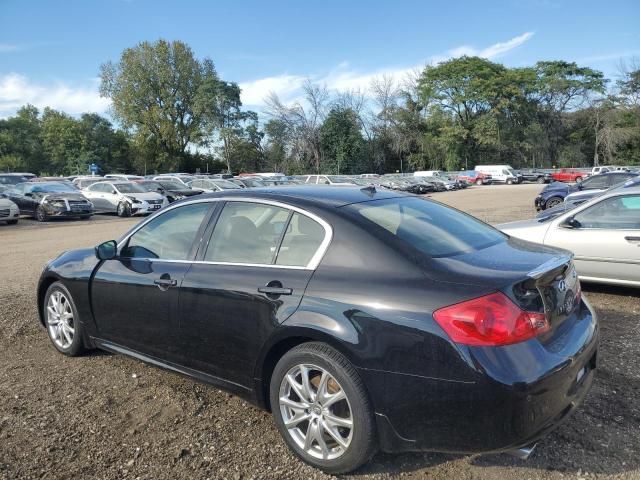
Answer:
(174, 113)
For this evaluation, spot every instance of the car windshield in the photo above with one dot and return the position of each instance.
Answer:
(171, 184)
(431, 228)
(225, 184)
(52, 187)
(129, 188)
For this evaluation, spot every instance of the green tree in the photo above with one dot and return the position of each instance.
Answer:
(164, 94)
(342, 142)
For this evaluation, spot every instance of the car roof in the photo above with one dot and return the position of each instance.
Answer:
(320, 195)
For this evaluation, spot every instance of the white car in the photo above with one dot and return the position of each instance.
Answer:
(183, 179)
(9, 211)
(123, 198)
(122, 176)
(603, 233)
(327, 180)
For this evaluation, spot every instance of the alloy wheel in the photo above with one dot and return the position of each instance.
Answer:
(316, 412)
(60, 319)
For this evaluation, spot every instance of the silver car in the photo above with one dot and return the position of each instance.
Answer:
(9, 211)
(124, 198)
(603, 233)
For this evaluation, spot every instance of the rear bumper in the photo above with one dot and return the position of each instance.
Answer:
(520, 393)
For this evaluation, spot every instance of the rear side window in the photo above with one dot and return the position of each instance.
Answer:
(433, 229)
(301, 241)
(247, 233)
(615, 213)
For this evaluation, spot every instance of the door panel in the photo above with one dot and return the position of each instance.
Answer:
(131, 309)
(224, 320)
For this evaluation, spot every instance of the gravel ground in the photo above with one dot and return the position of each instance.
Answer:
(107, 416)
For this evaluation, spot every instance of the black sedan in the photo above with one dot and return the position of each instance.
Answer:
(44, 200)
(362, 319)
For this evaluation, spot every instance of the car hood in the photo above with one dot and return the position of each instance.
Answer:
(556, 186)
(6, 203)
(498, 265)
(60, 196)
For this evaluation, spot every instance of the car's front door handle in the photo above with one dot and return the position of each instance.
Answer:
(632, 239)
(165, 282)
(275, 290)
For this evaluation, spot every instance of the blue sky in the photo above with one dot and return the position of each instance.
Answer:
(50, 51)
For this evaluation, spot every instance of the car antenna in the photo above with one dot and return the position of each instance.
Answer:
(369, 189)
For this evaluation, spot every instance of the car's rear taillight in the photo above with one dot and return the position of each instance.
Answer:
(491, 320)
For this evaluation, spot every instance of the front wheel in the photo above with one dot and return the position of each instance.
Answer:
(540, 180)
(62, 321)
(479, 181)
(509, 182)
(321, 409)
(124, 209)
(41, 215)
(578, 179)
(554, 201)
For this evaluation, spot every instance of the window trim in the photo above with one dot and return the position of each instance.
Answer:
(311, 265)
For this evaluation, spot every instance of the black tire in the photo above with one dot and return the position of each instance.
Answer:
(553, 201)
(41, 215)
(540, 180)
(479, 181)
(12, 222)
(124, 209)
(509, 182)
(76, 347)
(363, 444)
(85, 217)
(578, 179)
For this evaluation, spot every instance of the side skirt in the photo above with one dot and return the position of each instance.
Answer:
(240, 390)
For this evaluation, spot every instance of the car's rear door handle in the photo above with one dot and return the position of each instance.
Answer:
(632, 239)
(275, 290)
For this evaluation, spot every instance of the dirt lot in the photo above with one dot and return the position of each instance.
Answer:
(106, 416)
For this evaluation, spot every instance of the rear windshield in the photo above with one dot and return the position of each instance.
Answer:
(430, 227)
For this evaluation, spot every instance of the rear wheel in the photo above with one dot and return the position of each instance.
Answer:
(321, 409)
(41, 215)
(554, 201)
(62, 321)
(479, 181)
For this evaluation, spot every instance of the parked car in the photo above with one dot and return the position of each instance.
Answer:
(9, 211)
(248, 182)
(474, 177)
(327, 179)
(84, 182)
(170, 189)
(535, 176)
(124, 198)
(596, 184)
(500, 173)
(364, 319)
(603, 233)
(213, 185)
(8, 179)
(122, 176)
(569, 175)
(184, 179)
(555, 193)
(44, 200)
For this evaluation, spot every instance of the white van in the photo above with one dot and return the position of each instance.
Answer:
(500, 173)
(428, 173)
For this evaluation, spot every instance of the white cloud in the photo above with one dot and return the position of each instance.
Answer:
(343, 78)
(17, 90)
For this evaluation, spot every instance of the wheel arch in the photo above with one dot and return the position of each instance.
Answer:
(287, 339)
(43, 286)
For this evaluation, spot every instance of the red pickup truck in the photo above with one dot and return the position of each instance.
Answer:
(568, 175)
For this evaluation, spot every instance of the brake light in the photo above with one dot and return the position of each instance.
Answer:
(491, 320)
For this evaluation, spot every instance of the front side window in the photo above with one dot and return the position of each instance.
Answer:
(431, 228)
(615, 213)
(168, 236)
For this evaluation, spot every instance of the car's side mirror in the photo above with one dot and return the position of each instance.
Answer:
(571, 222)
(113, 192)
(107, 250)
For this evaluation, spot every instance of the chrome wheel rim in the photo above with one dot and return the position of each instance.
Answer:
(316, 412)
(60, 319)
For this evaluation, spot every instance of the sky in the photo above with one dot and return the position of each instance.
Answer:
(51, 51)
